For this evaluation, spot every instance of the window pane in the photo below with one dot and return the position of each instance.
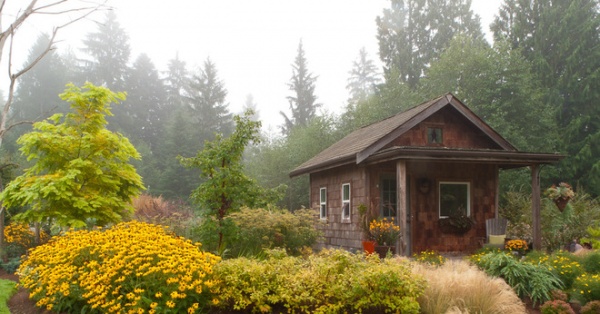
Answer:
(346, 192)
(454, 198)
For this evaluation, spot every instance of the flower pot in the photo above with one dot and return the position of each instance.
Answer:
(368, 246)
(561, 203)
(383, 250)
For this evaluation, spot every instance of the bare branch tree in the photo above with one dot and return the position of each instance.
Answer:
(7, 35)
(57, 8)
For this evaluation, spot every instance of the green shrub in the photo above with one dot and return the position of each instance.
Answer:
(556, 307)
(591, 262)
(11, 265)
(565, 266)
(333, 281)
(586, 288)
(259, 229)
(528, 280)
(592, 307)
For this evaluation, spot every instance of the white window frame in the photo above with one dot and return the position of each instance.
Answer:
(468, 196)
(323, 203)
(346, 203)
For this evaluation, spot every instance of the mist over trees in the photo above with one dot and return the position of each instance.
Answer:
(537, 84)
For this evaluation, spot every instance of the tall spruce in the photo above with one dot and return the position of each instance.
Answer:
(363, 79)
(303, 105)
(413, 33)
(108, 53)
(561, 39)
(206, 95)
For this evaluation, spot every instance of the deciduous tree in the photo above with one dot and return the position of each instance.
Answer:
(82, 172)
(225, 187)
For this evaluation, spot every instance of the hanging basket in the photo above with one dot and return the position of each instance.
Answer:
(561, 203)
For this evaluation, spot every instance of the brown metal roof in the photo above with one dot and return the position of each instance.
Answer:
(362, 144)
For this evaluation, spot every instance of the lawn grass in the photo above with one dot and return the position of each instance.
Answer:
(7, 289)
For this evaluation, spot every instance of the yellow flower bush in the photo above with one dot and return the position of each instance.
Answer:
(384, 231)
(20, 234)
(517, 245)
(132, 267)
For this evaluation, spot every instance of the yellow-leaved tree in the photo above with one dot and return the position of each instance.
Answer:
(82, 173)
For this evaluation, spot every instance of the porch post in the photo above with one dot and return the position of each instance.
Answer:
(401, 201)
(535, 204)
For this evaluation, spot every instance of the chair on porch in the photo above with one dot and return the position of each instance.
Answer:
(495, 229)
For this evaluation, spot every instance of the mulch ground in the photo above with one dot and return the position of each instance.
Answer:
(20, 302)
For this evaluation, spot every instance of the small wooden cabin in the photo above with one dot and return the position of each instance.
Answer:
(419, 167)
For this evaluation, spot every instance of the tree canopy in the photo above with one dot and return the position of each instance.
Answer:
(81, 172)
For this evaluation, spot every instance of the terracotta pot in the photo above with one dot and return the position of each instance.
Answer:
(561, 203)
(368, 246)
(382, 250)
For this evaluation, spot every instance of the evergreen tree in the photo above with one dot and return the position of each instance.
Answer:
(36, 96)
(561, 38)
(206, 98)
(109, 51)
(174, 180)
(303, 101)
(413, 33)
(251, 106)
(145, 104)
(176, 79)
(363, 78)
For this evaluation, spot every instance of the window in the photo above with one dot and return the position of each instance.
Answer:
(388, 196)
(434, 136)
(346, 201)
(455, 199)
(323, 203)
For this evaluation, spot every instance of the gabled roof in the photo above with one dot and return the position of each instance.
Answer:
(367, 141)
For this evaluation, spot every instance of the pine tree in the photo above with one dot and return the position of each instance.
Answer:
(363, 78)
(175, 81)
(303, 101)
(561, 39)
(109, 52)
(413, 33)
(206, 98)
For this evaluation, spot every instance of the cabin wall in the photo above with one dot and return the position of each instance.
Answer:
(457, 132)
(340, 233)
(425, 233)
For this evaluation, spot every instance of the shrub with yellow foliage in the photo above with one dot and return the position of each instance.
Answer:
(132, 267)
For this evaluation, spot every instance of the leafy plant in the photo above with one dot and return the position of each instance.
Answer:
(592, 307)
(384, 231)
(556, 307)
(82, 171)
(586, 288)
(591, 262)
(534, 281)
(332, 281)
(562, 190)
(131, 267)
(225, 188)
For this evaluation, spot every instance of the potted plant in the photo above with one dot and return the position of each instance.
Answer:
(365, 218)
(560, 194)
(456, 222)
(385, 233)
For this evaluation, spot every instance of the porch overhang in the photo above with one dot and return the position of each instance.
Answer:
(503, 159)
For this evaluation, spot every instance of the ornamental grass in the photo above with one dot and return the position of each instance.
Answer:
(132, 267)
(457, 287)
